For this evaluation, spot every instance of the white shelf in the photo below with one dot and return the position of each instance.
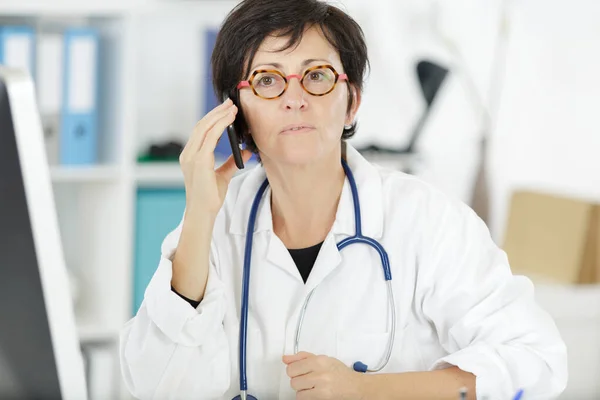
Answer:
(90, 333)
(168, 173)
(68, 7)
(84, 174)
(159, 174)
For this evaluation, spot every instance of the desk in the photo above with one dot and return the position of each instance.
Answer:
(576, 311)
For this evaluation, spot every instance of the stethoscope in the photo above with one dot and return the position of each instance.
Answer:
(357, 238)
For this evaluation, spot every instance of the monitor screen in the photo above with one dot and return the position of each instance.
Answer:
(39, 349)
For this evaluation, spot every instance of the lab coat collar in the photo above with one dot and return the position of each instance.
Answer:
(368, 183)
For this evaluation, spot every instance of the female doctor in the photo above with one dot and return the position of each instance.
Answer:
(317, 275)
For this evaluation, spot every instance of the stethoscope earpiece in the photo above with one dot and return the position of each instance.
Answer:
(360, 367)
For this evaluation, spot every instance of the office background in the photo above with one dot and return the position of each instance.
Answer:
(512, 130)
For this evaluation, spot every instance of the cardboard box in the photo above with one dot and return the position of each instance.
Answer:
(553, 239)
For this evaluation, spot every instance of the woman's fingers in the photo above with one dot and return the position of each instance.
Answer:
(212, 136)
(201, 129)
(206, 123)
(303, 382)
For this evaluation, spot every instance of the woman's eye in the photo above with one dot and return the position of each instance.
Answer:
(265, 81)
(315, 76)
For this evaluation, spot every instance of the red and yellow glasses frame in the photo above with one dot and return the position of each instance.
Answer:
(248, 83)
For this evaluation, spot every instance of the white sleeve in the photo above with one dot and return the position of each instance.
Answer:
(486, 318)
(171, 350)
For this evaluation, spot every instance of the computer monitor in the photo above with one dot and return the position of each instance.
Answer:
(40, 357)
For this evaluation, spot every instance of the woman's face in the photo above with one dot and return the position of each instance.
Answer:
(323, 116)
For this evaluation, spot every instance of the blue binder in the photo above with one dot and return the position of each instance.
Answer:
(158, 212)
(79, 130)
(22, 57)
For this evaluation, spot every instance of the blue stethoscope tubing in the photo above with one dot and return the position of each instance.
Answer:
(357, 238)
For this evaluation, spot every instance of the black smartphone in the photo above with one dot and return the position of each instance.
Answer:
(235, 144)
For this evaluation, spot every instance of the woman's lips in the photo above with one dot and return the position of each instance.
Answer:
(297, 131)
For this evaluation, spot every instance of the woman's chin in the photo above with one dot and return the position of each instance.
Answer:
(299, 158)
(298, 155)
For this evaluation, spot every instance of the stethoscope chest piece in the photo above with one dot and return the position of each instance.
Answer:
(247, 397)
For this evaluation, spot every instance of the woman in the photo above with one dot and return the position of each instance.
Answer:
(294, 69)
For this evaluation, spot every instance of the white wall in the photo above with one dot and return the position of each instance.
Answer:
(543, 93)
(548, 132)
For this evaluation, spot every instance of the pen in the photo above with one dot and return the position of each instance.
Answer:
(518, 395)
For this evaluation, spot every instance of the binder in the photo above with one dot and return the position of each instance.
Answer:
(50, 83)
(79, 130)
(17, 47)
(158, 212)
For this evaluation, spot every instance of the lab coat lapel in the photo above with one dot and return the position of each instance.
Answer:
(329, 258)
(279, 256)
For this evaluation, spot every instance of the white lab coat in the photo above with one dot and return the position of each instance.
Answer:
(456, 301)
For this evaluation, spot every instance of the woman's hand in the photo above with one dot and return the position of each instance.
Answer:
(205, 190)
(322, 377)
(206, 187)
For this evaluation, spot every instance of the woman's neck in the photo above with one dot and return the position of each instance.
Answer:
(304, 200)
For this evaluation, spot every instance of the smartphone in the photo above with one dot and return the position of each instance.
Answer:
(235, 143)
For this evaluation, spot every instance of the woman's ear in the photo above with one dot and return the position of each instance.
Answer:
(356, 98)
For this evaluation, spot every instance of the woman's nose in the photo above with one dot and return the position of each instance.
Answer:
(294, 96)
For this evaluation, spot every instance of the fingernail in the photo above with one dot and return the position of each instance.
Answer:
(226, 100)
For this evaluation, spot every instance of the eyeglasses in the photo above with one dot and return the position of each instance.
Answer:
(270, 84)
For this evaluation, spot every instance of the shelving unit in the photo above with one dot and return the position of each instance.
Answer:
(152, 77)
(95, 203)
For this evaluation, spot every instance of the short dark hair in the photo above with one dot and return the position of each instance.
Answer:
(251, 21)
